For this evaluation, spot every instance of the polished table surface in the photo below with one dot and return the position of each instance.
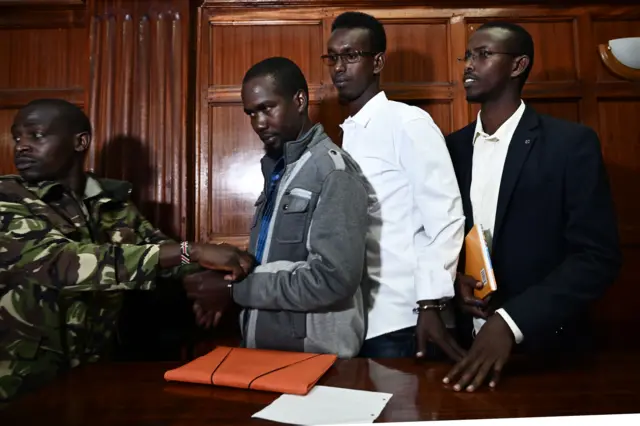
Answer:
(136, 393)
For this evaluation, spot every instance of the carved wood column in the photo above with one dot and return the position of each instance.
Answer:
(138, 99)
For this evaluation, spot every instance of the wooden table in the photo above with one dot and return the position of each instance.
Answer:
(136, 394)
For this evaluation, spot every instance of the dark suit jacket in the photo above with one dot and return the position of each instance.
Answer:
(555, 241)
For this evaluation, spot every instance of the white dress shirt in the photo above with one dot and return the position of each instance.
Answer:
(489, 155)
(413, 255)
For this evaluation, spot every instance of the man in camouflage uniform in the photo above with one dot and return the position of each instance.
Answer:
(69, 244)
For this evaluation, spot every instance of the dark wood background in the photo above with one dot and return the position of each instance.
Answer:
(161, 80)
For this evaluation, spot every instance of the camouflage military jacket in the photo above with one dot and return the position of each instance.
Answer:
(63, 264)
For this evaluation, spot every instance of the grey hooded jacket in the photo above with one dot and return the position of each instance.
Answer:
(307, 295)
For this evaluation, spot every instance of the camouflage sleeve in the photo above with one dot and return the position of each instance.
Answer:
(31, 246)
(152, 235)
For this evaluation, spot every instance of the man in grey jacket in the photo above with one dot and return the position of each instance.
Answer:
(309, 229)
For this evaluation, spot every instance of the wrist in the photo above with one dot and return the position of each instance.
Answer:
(504, 326)
(195, 250)
(430, 305)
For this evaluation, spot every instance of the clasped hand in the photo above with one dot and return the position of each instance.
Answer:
(210, 289)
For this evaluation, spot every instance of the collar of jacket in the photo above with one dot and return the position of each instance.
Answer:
(116, 190)
(293, 150)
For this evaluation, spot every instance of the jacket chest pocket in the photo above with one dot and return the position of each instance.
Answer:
(294, 215)
(122, 235)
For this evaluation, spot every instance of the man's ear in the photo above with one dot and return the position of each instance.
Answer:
(302, 100)
(83, 140)
(520, 64)
(378, 62)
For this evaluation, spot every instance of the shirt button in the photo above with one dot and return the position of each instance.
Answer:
(285, 207)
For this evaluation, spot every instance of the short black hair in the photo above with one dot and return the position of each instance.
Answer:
(377, 35)
(287, 76)
(520, 42)
(74, 118)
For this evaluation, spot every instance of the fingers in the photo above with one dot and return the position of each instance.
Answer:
(497, 372)
(476, 312)
(455, 371)
(216, 318)
(421, 344)
(474, 302)
(200, 315)
(482, 374)
(208, 320)
(467, 375)
(237, 273)
(197, 311)
(246, 262)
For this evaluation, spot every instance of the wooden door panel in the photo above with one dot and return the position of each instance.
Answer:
(235, 48)
(554, 48)
(620, 137)
(412, 51)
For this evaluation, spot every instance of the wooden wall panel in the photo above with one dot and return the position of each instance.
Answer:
(411, 62)
(299, 40)
(555, 47)
(440, 111)
(6, 141)
(139, 101)
(620, 134)
(232, 173)
(41, 58)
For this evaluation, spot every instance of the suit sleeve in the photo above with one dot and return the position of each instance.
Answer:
(333, 269)
(31, 247)
(593, 254)
(452, 143)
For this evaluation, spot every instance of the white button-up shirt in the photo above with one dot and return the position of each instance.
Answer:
(413, 255)
(489, 155)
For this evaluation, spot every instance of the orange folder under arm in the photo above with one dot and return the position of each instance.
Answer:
(275, 371)
(478, 262)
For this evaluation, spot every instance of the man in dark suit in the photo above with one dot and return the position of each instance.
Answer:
(539, 188)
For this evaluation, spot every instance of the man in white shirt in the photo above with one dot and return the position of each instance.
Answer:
(539, 188)
(417, 234)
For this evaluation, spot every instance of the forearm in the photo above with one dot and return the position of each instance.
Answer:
(81, 266)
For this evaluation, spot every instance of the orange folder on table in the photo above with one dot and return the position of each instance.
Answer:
(478, 261)
(275, 371)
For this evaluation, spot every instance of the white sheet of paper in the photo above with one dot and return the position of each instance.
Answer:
(325, 405)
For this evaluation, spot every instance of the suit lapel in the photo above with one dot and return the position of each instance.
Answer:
(466, 175)
(523, 140)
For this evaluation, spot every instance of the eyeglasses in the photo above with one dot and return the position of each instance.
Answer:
(482, 55)
(349, 57)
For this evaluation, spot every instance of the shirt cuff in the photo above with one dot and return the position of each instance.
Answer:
(512, 325)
